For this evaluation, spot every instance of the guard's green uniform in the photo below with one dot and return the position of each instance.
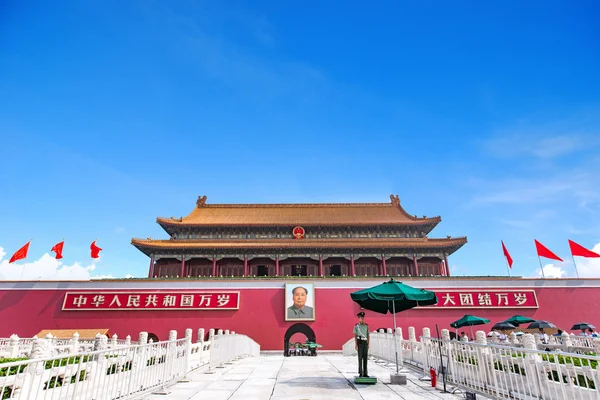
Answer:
(361, 335)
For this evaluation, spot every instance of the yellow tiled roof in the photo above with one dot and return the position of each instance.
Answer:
(347, 214)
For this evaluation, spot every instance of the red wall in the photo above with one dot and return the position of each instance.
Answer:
(261, 315)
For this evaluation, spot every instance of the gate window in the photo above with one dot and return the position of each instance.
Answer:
(299, 270)
(262, 270)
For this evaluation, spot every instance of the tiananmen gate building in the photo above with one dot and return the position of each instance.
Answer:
(273, 270)
(360, 239)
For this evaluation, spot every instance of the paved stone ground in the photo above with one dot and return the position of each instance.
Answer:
(274, 377)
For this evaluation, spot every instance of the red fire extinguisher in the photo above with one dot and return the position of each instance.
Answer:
(433, 377)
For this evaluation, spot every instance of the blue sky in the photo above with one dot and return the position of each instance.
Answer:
(114, 113)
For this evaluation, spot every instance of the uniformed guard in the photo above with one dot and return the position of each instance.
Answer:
(361, 340)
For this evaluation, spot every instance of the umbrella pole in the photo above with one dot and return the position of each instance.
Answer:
(395, 341)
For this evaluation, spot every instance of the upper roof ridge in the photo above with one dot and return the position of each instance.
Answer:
(297, 205)
(339, 214)
(201, 203)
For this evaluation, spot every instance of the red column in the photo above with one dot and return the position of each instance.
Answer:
(384, 266)
(442, 269)
(416, 265)
(320, 265)
(352, 269)
(214, 272)
(182, 271)
(277, 266)
(151, 270)
(245, 266)
(447, 265)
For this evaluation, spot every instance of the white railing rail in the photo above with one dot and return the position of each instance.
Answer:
(16, 347)
(510, 372)
(225, 348)
(114, 371)
(99, 375)
(499, 370)
(381, 346)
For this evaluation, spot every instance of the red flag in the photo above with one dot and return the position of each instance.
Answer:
(507, 255)
(58, 248)
(95, 250)
(20, 254)
(579, 250)
(543, 251)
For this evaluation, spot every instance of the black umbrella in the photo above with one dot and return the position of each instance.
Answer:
(582, 326)
(541, 325)
(503, 326)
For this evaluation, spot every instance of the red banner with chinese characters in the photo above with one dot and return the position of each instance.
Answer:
(485, 299)
(75, 301)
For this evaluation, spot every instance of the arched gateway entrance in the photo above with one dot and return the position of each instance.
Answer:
(297, 328)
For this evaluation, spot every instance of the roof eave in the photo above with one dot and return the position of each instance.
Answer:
(166, 224)
(149, 248)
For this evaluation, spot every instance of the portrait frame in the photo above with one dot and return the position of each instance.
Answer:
(309, 307)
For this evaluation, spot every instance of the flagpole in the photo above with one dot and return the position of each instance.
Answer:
(542, 268)
(507, 266)
(575, 264)
(23, 270)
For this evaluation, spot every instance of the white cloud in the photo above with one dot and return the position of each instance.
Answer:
(127, 276)
(589, 267)
(119, 229)
(574, 185)
(103, 277)
(47, 268)
(552, 271)
(527, 144)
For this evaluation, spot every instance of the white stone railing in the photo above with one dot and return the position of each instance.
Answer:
(495, 369)
(116, 372)
(509, 372)
(566, 342)
(225, 348)
(381, 346)
(16, 347)
(101, 375)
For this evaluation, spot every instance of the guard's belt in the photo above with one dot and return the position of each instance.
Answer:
(361, 338)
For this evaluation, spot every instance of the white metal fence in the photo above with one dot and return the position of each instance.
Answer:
(496, 370)
(509, 372)
(122, 372)
(100, 375)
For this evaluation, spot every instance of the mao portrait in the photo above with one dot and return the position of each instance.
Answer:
(299, 302)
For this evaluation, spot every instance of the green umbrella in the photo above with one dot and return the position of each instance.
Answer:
(469, 320)
(517, 320)
(394, 297)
